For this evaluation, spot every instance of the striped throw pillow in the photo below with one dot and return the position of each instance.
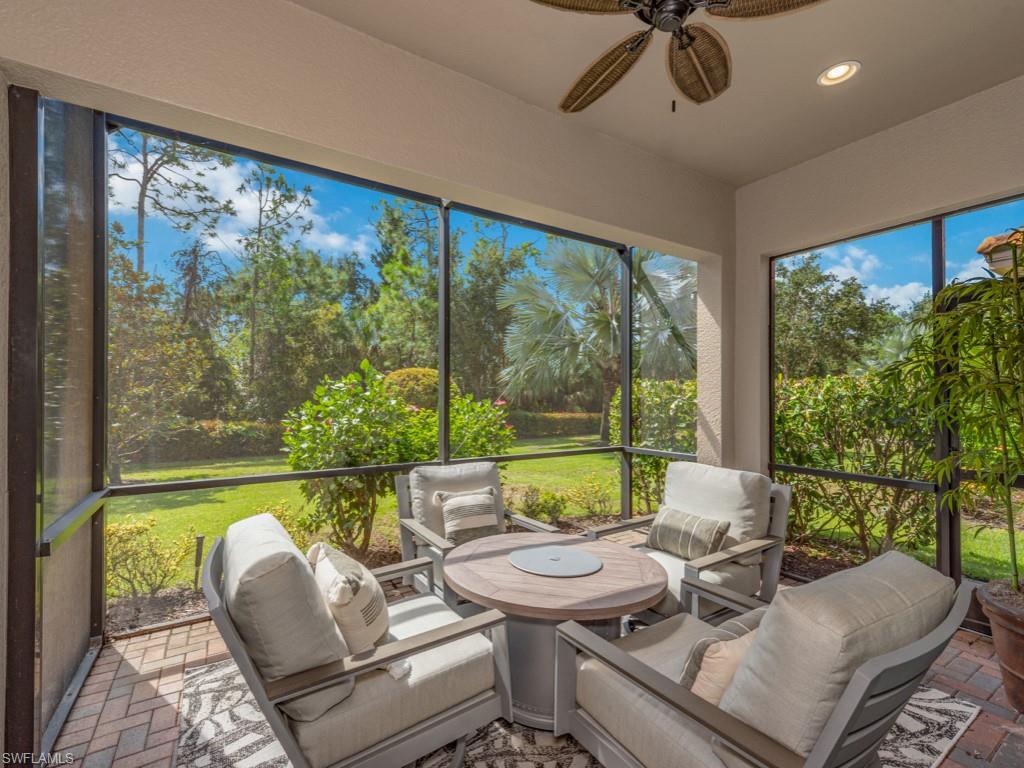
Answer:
(729, 630)
(468, 515)
(685, 535)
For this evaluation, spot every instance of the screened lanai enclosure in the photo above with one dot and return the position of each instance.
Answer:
(202, 332)
(213, 333)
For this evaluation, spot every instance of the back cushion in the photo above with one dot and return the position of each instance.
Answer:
(425, 482)
(275, 604)
(741, 498)
(814, 637)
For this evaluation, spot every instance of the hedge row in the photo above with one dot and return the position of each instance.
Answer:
(217, 440)
(555, 424)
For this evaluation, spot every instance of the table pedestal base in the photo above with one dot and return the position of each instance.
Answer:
(531, 650)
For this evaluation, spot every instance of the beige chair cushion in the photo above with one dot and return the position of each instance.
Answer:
(719, 665)
(380, 706)
(745, 579)
(815, 636)
(742, 498)
(425, 482)
(686, 535)
(276, 606)
(657, 735)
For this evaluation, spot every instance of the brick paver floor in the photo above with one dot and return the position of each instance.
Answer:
(126, 715)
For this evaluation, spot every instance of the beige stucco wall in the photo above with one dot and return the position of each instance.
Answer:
(5, 264)
(272, 75)
(962, 154)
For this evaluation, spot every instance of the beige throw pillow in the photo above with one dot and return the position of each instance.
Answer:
(735, 627)
(468, 515)
(685, 535)
(357, 602)
(719, 666)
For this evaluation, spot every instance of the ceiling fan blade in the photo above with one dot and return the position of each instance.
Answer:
(700, 68)
(606, 72)
(586, 6)
(752, 9)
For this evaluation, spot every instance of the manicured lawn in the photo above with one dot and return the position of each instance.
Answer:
(209, 512)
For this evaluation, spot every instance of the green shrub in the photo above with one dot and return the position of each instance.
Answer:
(865, 425)
(361, 420)
(592, 495)
(554, 424)
(214, 439)
(536, 504)
(417, 386)
(664, 418)
(140, 563)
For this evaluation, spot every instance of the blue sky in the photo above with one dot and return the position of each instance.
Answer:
(896, 265)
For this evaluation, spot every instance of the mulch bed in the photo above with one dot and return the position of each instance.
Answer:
(814, 560)
(124, 615)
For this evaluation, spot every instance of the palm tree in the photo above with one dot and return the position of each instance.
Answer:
(664, 316)
(564, 332)
(565, 328)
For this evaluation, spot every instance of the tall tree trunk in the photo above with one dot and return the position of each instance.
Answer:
(609, 382)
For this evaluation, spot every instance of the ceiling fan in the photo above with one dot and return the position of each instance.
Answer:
(698, 58)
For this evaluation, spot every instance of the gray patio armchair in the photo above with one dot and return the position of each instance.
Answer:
(347, 711)
(750, 561)
(830, 669)
(421, 524)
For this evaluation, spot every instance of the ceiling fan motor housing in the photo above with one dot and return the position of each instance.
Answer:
(666, 15)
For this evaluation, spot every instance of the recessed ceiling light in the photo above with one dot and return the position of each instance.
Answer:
(839, 73)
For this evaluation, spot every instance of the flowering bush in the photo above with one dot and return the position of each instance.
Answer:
(362, 420)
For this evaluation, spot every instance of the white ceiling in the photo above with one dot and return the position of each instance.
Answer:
(918, 55)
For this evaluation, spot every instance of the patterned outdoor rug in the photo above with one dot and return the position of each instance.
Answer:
(222, 727)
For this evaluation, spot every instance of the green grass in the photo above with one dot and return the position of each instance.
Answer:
(210, 511)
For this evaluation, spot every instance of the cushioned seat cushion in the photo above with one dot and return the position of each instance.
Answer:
(741, 498)
(657, 735)
(276, 606)
(380, 706)
(425, 482)
(745, 579)
(814, 637)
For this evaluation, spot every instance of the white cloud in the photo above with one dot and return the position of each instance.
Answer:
(851, 261)
(973, 268)
(223, 183)
(900, 296)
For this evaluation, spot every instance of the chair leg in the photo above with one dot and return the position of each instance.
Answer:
(460, 753)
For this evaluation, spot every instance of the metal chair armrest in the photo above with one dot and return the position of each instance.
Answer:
(404, 568)
(739, 736)
(691, 587)
(731, 554)
(287, 688)
(426, 535)
(626, 525)
(530, 524)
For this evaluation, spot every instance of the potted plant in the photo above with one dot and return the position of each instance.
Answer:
(966, 368)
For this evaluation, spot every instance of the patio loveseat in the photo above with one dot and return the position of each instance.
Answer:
(829, 669)
(326, 706)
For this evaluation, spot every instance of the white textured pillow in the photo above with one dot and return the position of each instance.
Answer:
(719, 667)
(356, 600)
(468, 515)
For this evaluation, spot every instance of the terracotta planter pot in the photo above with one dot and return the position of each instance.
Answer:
(1008, 636)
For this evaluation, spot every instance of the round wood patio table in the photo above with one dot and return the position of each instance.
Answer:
(480, 571)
